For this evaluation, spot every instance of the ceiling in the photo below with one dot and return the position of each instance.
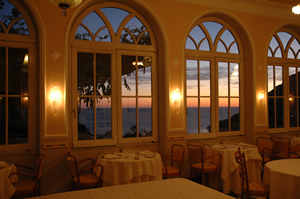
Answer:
(287, 2)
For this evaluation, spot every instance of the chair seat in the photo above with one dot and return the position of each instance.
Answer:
(258, 189)
(24, 187)
(172, 171)
(281, 155)
(207, 167)
(88, 180)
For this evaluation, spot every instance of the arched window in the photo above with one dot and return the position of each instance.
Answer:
(214, 69)
(17, 78)
(114, 77)
(283, 81)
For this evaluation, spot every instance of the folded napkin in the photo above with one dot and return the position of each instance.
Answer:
(144, 152)
(112, 156)
(218, 146)
(242, 144)
(3, 164)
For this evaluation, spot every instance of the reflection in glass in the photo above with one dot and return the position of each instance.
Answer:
(85, 73)
(128, 75)
(223, 115)
(83, 34)
(144, 76)
(17, 71)
(17, 120)
(204, 78)
(103, 118)
(129, 125)
(2, 70)
(223, 78)
(103, 74)
(145, 117)
(191, 78)
(85, 112)
(192, 116)
(2, 120)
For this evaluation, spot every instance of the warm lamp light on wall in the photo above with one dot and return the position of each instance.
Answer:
(55, 99)
(261, 97)
(65, 4)
(176, 99)
(296, 9)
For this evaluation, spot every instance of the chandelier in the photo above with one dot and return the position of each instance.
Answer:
(65, 4)
(296, 9)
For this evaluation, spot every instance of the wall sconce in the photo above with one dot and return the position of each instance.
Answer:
(261, 97)
(55, 98)
(176, 98)
(25, 61)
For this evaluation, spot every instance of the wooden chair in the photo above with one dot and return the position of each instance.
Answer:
(294, 151)
(86, 180)
(174, 168)
(280, 150)
(264, 146)
(197, 162)
(249, 189)
(32, 186)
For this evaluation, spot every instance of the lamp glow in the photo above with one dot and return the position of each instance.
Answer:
(296, 9)
(261, 97)
(55, 98)
(176, 97)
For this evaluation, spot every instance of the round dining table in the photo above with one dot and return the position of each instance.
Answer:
(129, 167)
(283, 177)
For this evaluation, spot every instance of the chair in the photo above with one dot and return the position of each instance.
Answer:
(197, 162)
(294, 151)
(250, 189)
(280, 150)
(174, 168)
(86, 180)
(32, 186)
(264, 146)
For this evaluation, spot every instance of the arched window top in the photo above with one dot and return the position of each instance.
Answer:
(11, 20)
(111, 24)
(284, 44)
(213, 36)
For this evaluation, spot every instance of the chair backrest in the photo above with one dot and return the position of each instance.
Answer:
(240, 159)
(264, 143)
(39, 161)
(196, 153)
(280, 146)
(72, 164)
(178, 153)
(281, 138)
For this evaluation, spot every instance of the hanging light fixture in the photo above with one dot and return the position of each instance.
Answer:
(65, 4)
(296, 9)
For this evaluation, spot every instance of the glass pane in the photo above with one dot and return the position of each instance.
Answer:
(234, 79)
(8, 13)
(279, 113)
(223, 115)
(279, 80)
(270, 81)
(293, 80)
(205, 115)
(85, 73)
(192, 115)
(298, 82)
(235, 114)
(93, 22)
(205, 45)
(2, 70)
(223, 78)
(204, 78)
(129, 128)
(191, 78)
(234, 49)
(19, 28)
(128, 75)
(135, 26)
(2, 120)
(273, 44)
(82, 34)
(17, 120)
(17, 71)
(284, 37)
(103, 36)
(145, 39)
(85, 118)
(144, 76)
(145, 117)
(103, 74)
(190, 44)
(197, 34)
(293, 112)
(221, 47)
(115, 16)
(126, 37)
(271, 109)
(295, 46)
(213, 28)
(103, 118)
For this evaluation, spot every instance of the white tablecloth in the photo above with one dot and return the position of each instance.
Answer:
(177, 188)
(6, 188)
(229, 169)
(129, 170)
(283, 177)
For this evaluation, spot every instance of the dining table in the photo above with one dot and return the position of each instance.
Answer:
(129, 167)
(230, 177)
(283, 177)
(6, 188)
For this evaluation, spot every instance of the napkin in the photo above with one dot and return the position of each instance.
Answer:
(3, 164)
(112, 156)
(144, 152)
(218, 146)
